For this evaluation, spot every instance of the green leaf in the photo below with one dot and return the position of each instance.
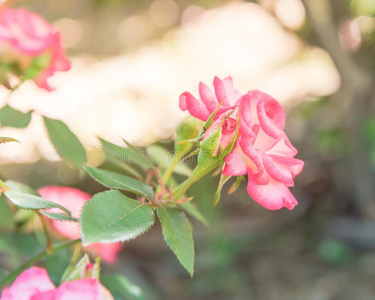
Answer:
(20, 188)
(10, 117)
(58, 216)
(120, 156)
(126, 156)
(178, 235)
(192, 210)
(164, 158)
(121, 287)
(118, 181)
(141, 157)
(4, 139)
(27, 201)
(65, 142)
(111, 217)
(3, 187)
(6, 214)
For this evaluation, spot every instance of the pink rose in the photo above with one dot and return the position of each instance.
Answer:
(25, 36)
(74, 199)
(35, 284)
(262, 150)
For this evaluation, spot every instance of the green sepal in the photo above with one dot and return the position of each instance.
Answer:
(209, 121)
(223, 180)
(211, 144)
(76, 271)
(230, 147)
(236, 184)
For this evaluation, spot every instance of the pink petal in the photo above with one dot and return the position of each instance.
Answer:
(30, 282)
(271, 115)
(283, 147)
(264, 141)
(273, 195)
(246, 119)
(253, 161)
(108, 252)
(207, 97)
(228, 132)
(71, 198)
(87, 288)
(282, 168)
(294, 165)
(224, 90)
(235, 162)
(196, 108)
(49, 295)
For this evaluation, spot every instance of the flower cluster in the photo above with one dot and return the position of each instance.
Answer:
(74, 199)
(30, 47)
(262, 149)
(35, 284)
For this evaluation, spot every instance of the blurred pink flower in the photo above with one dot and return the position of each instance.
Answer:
(74, 199)
(262, 149)
(24, 36)
(35, 284)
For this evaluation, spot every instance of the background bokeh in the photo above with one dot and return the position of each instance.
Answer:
(132, 59)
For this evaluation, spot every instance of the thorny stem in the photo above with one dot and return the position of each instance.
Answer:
(168, 172)
(49, 246)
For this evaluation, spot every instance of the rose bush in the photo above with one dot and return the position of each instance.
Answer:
(262, 150)
(30, 46)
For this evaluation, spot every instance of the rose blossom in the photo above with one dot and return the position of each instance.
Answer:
(262, 149)
(35, 284)
(25, 36)
(73, 199)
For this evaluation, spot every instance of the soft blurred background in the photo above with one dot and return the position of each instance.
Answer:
(132, 59)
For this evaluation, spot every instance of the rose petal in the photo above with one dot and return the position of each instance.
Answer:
(274, 195)
(193, 106)
(224, 90)
(30, 282)
(87, 288)
(235, 162)
(207, 97)
(271, 115)
(282, 168)
(72, 199)
(107, 252)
